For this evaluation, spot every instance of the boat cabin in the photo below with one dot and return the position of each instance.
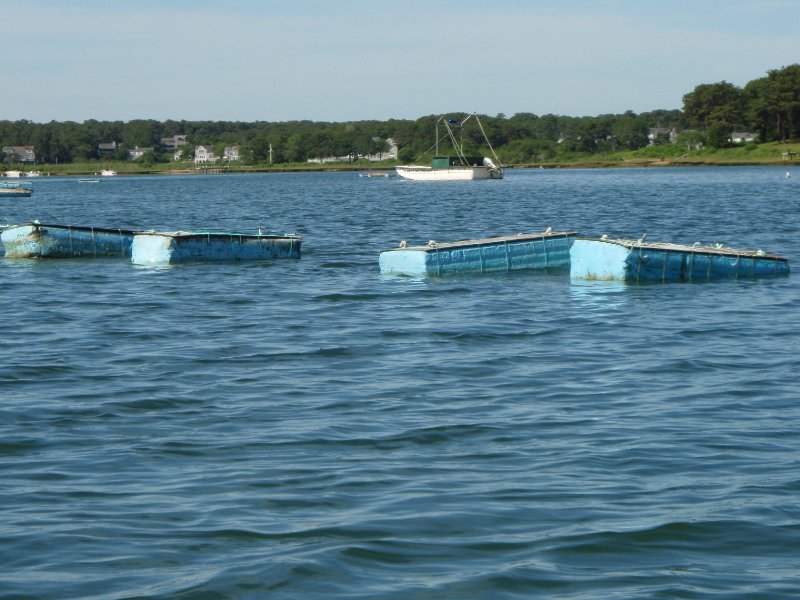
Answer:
(445, 162)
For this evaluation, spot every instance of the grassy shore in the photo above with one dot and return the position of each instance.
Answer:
(673, 155)
(651, 156)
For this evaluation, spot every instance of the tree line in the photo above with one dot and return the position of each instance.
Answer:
(768, 106)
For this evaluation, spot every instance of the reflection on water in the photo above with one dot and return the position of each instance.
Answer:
(602, 295)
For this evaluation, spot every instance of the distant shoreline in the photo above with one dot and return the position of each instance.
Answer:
(653, 164)
(769, 154)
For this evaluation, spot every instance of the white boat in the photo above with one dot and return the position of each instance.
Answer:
(33, 174)
(108, 172)
(14, 174)
(452, 169)
(457, 167)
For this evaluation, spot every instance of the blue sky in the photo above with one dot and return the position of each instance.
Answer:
(262, 60)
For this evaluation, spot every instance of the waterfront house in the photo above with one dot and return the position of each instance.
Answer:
(20, 154)
(231, 153)
(663, 134)
(170, 144)
(740, 137)
(204, 154)
(390, 153)
(138, 152)
(107, 147)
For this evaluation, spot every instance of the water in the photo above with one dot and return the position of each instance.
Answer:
(314, 429)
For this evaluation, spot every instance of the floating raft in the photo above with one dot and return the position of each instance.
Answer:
(163, 248)
(634, 260)
(547, 250)
(38, 240)
(14, 189)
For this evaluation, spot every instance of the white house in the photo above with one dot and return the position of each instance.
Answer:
(740, 137)
(655, 132)
(137, 152)
(231, 153)
(22, 154)
(204, 154)
(390, 153)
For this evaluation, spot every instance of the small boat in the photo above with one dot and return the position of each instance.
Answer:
(452, 169)
(166, 248)
(8, 188)
(108, 172)
(641, 261)
(545, 251)
(459, 167)
(33, 174)
(384, 174)
(14, 174)
(39, 240)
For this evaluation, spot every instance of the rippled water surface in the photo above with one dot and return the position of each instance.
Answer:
(313, 429)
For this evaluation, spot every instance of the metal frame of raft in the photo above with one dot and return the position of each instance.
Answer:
(548, 250)
(637, 261)
(41, 240)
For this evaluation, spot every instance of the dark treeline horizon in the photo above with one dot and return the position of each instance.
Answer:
(768, 106)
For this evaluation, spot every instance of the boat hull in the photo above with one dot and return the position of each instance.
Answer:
(37, 240)
(548, 251)
(451, 174)
(165, 248)
(627, 260)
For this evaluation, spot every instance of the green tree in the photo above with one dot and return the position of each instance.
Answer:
(712, 103)
(773, 103)
(718, 135)
(629, 131)
(691, 138)
(295, 148)
(142, 133)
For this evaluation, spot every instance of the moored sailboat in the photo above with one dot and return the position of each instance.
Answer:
(458, 166)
